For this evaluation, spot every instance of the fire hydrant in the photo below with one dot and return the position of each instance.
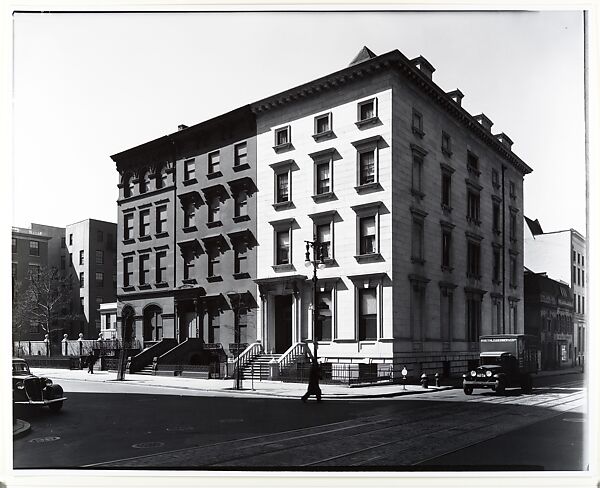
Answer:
(437, 379)
(424, 381)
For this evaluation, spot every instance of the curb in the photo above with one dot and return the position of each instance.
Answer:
(20, 428)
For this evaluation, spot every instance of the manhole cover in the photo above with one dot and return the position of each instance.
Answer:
(148, 445)
(573, 420)
(39, 440)
(180, 428)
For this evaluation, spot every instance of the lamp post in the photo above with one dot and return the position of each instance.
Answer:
(319, 253)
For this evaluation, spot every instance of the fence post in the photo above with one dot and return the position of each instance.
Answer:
(80, 340)
(65, 345)
(47, 341)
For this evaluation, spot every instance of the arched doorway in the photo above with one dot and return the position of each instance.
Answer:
(128, 322)
(153, 330)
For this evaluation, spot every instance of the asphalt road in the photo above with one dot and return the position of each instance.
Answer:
(443, 430)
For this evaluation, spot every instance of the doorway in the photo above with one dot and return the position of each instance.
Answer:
(283, 323)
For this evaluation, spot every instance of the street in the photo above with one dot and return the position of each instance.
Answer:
(126, 426)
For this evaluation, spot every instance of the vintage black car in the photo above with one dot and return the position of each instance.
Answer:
(29, 389)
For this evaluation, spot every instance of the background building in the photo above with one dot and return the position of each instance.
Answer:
(562, 256)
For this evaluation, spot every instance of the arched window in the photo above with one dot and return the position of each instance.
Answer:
(161, 177)
(144, 181)
(127, 185)
(153, 323)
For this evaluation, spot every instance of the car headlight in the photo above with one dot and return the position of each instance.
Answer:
(473, 373)
(20, 385)
(488, 373)
(48, 382)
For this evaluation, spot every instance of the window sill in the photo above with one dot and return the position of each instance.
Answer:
(282, 147)
(417, 193)
(368, 187)
(144, 238)
(128, 288)
(212, 225)
(145, 287)
(160, 235)
(367, 122)
(283, 205)
(128, 241)
(369, 258)
(189, 281)
(322, 197)
(212, 176)
(241, 167)
(447, 209)
(241, 218)
(283, 267)
(191, 181)
(214, 279)
(447, 152)
(191, 228)
(418, 132)
(240, 276)
(328, 134)
(161, 284)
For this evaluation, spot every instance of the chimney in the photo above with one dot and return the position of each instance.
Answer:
(504, 139)
(424, 66)
(182, 126)
(456, 96)
(484, 121)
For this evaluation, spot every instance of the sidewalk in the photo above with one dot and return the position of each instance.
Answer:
(226, 387)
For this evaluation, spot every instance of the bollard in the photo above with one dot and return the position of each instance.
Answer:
(424, 381)
(437, 379)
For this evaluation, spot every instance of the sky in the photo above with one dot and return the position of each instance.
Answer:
(89, 85)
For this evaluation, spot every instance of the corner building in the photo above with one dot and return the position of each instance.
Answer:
(418, 203)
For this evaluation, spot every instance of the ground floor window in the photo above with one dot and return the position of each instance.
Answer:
(241, 323)
(473, 318)
(323, 327)
(367, 314)
(214, 326)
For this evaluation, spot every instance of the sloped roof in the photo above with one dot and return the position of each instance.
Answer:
(363, 55)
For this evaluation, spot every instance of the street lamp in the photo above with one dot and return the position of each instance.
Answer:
(319, 254)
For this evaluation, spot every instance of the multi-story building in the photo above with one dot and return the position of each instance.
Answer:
(186, 237)
(549, 316)
(562, 256)
(417, 202)
(91, 247)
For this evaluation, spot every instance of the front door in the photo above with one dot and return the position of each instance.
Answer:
(283, 323)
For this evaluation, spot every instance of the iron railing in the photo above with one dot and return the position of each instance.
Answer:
(289, 357)
(344, 374)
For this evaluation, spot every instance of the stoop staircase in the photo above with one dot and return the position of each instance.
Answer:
(258, 367)
(147, 370)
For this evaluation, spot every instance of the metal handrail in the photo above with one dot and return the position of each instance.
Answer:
(245, 357)
(292, 354)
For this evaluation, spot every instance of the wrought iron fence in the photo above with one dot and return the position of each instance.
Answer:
(344, 374)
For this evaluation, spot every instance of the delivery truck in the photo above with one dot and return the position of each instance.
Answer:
(505, 361)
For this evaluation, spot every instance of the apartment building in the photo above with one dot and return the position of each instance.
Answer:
(562, 256)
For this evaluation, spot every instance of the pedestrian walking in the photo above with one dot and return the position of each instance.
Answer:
(91, 360)
(313, 382)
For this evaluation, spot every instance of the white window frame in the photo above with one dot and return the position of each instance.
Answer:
(283, 226)
(329, 130)
(368, 210)
(211, 162)
(287, 129)
(361, 104)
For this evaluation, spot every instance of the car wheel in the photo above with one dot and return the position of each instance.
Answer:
(55, 407)
(468, 390)
(501, 387)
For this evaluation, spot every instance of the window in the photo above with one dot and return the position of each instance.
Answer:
(214, 258)
(446, 249)
(512, 232)
(323, 124)
(578, 277)
(144, 223)
(496, 217)
(582, 260)
(127, 271)
(81, 257)
(63, 243)
(127, 187)
(513, 271)
(214, 160)
(323, 326)
(161, 177)
(144, 181)
(417, 173)
(34, 248)
(99, 257)
(283, 137)
(128, 227)
(366, 167)
(578, 258)
(240, 154)
(512, 189)
(496, 266)
(99, 236)
(70, 239)
(582, 304)
(574, 255)
(161, 219)
(367, 110)
(282, 187)
(100, 279)
(189, 170)
(161, 266)
(446, 144)
(496, 316)
(367, 314)
(189, 214)
(241, 203)
(240, 260)
(323, 177)
(495, 178)
(473, 207)
(241, 325)
(472, 163)
(214, 326)
(323, 233)
(417, 240)
(446, 189)
(214, 209)
(81, 280)
(283, 247)
(574, 278)
(417, 123)
(188, 265)
(473, 312)
(367, 236)
(63, 262)
(473, 257)
(583, 278)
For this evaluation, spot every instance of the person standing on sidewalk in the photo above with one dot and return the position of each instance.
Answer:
(91, 359)
(313, 382)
